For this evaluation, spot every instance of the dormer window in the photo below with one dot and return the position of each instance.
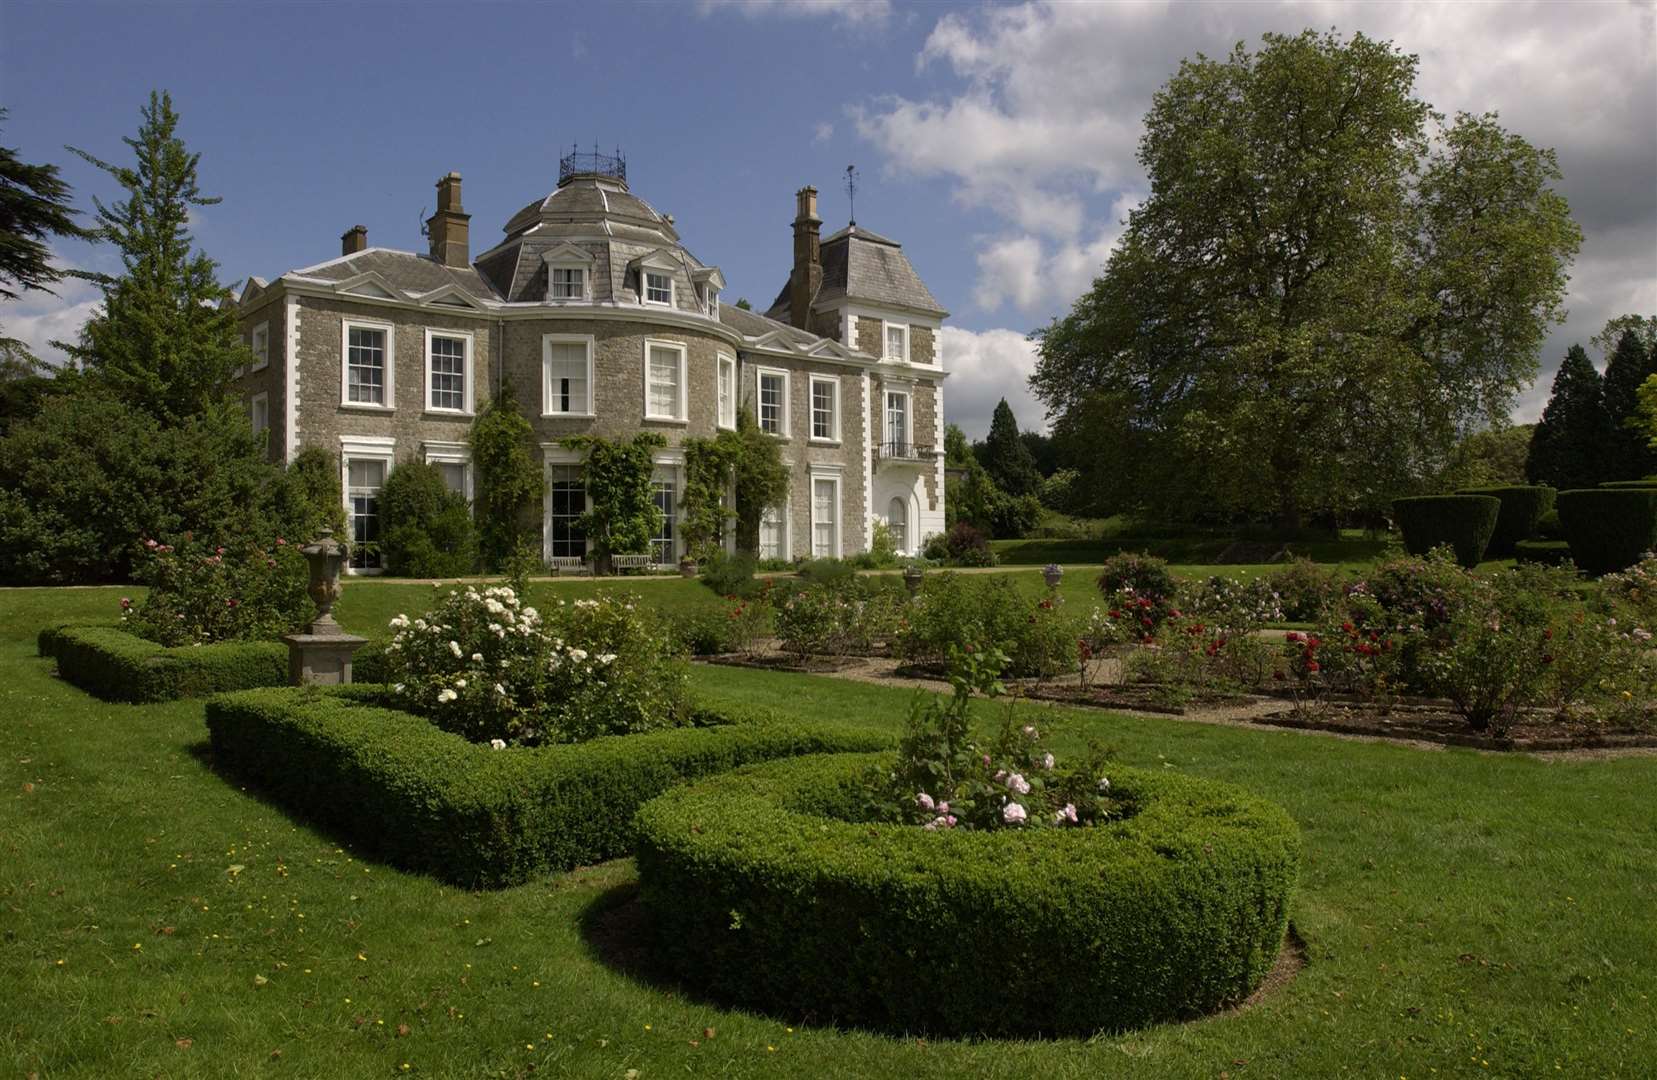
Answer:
(713, 302)
(658, 287)
(567, 283)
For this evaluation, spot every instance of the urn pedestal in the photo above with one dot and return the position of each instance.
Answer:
(320, 655)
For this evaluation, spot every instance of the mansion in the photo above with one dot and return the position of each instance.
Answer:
(603, 323)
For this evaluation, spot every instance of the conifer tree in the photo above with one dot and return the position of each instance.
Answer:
(1629, 455)
(165, 341)
(1006, 457)
(34, 205)
(1568, 447)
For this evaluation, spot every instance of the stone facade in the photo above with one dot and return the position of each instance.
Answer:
(501, 305)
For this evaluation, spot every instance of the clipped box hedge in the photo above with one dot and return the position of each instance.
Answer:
(430, 801)
(1547, 552)
(1465, 522)
(1523, 506)
(1648, 482)
(762, 893)
(118, 666)
(1609, 529)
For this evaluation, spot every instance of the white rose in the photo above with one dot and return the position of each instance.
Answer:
(454, 647)
(498, 744)
(445, 696)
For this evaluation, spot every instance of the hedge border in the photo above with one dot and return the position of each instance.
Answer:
(761, 895)
(1609, 529)
(1547, 552)
(432, 802)
(115, 665)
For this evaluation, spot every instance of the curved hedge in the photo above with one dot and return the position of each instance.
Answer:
(1547, 552)
(1522, 508)
(1465, 522)
(1648, 482)
(117, 666)
(763, 894)
(1609, 529)
(429, 801)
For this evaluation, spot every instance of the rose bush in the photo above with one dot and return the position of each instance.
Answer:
(200, 595)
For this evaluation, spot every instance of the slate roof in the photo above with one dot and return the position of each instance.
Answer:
(402, 269)
(751, 324)
(860, 264)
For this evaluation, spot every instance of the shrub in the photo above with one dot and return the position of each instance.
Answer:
(1490, 663)
(728, 575)
(1609, 529)
(428, 529)
(1522, 508)
(506, 475)
(117, 666)
(1236, 605)
(1304, 589)
(832, 573)
(1140, 584)
(966, 546)
(200, 595)
(737, 627)
(768, 887)
(1548, 526)
(811, 622)
(956, 610)
(429, 801)
(1464, 522)
(483, 665)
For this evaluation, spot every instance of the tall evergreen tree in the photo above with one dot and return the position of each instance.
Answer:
(1629, 456)
(165, 341)
(1568, 447)
(1006, 458)
(34, 205)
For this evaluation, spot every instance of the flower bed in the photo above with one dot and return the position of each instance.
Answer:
(766, 889)
(117, 666)
(431, 801)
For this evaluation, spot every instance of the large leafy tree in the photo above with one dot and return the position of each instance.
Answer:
(1569, 444)
(1493, 456)
(1628, 452)
(165, 340)
(1327, 286)
(1006, 456)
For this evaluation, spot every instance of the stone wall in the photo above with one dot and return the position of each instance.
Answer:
(268, 380)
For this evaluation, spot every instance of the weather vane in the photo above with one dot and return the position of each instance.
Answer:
(851, 191)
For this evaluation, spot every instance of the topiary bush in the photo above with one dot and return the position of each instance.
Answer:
(1609, 529)
(432, 802)
(1464, 522)
(114, 665)
(1548, 526)
(1523, 506)
(768, 887)
(1545, 552)
(428, 531)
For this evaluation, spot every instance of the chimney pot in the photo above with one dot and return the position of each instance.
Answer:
(353, 240)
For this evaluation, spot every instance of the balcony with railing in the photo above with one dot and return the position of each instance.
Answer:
(901, 452)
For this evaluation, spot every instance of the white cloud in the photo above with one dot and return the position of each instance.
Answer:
(984, 367)
(824, 132)
(1041, 120)
(848, 12)
(38, 319)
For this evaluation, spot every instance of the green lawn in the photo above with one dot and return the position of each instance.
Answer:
(1464, 914)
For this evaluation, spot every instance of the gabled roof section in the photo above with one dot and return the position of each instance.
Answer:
(369, 283)
(399, 273)
(251, 291)
(660, 258)
(773, 335)
(567, 252)
(452, 295)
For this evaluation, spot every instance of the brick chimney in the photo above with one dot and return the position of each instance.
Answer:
(353, 240)
(448, 226)
(807, 277)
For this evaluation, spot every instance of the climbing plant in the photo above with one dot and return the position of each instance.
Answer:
(622, 514)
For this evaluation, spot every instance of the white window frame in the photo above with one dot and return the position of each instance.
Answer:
(886, 329)
(450, 453)
(785, 523)
(549, 340)
(668, 468)
(645, 273)
(713, 301)
(908, 416)
(812, 478)
(725, 391)
(554, 455)
(390, 331)
(586, 282)
(466, 369)
(909, 522)
(787, 393)
(259, 342)
(684, 352)
(362, 448)
(834, 416)
(261, 398)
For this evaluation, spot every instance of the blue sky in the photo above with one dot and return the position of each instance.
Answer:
(995, 143)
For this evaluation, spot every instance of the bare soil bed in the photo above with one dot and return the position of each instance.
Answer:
(1441, 724)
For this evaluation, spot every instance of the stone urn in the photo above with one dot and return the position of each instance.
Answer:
(321, 653)
(912, 577)
(1052, 573)
(687, 567)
